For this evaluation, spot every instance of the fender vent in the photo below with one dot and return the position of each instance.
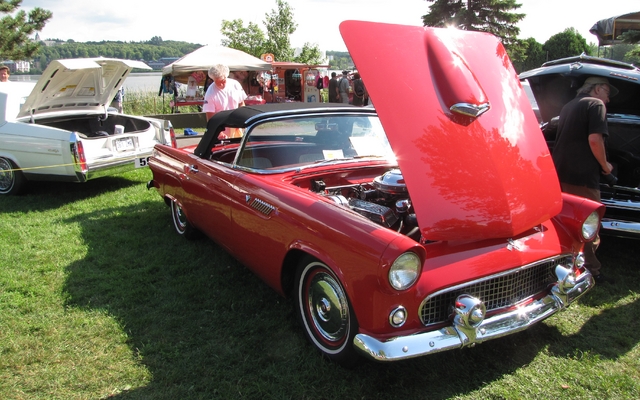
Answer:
(261, 206)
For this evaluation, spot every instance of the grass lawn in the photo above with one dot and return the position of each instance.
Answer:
(99, 298)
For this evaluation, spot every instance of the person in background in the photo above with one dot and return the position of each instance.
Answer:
(4, 73)
(334, 94)
(224, 94)
(359, 91)
(343, 87)
(579, 151)
(118, 99)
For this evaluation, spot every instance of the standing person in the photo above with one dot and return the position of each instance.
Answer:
(4, 73)
(117, 100)
(343, 87)
(579, 151)
(224, 94)
(334, 94)
(359, 91)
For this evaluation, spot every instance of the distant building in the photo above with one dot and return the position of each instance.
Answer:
(168, 60)
(157, 65)
(18, 66)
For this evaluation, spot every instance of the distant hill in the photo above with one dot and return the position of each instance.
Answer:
(155, 52)
(150, 51)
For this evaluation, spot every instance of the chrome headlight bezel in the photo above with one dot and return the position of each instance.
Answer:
(404, 271)
(590, 226)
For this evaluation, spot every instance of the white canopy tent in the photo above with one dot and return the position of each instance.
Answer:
(207, 56)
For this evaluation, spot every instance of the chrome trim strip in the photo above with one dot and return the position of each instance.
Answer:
(624, 205)
(451, 337)
(620, 226)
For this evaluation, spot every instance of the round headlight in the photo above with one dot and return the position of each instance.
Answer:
(404, 271)
(590, 226)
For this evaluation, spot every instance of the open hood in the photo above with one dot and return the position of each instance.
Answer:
(466, 139)
(78, 85)
(556, 82)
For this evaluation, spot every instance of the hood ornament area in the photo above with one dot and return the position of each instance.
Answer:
(470, 110)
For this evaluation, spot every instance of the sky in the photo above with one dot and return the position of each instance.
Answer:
(318, 20)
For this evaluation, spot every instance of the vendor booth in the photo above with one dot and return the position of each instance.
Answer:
(292, 82)
(192, 71)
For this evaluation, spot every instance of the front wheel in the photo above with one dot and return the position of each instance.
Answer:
(325, 313)
(12, 181)
(181, 223)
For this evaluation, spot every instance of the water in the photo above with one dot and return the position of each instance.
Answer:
(138, 82)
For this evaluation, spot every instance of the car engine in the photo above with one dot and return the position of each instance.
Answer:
(385, 201)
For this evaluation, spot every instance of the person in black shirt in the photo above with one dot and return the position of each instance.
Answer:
(579, 151)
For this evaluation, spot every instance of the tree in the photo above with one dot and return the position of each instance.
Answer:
(534, 56)
(492, 16)
(310, 55)
(619, 51)
(280, 26)
(251, 39)
(630, 37)
(633, 57)
(15, 43)
(567, 43)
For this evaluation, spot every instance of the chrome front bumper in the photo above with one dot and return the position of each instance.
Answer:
(461, 334)
(615, 225)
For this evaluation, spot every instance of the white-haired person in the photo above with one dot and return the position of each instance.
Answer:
(223, 94)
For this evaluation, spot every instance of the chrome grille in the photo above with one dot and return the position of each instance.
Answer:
(498, 291)
(262, 206)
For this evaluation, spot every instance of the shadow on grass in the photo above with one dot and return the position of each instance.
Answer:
(205, 327)
(61, 193)
(614, 331)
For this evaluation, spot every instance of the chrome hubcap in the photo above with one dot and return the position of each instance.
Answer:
(6, 175)
(328, 307)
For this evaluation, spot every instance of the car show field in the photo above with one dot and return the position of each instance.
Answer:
(99, 299)
(415, 250)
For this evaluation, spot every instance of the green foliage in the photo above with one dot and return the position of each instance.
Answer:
(633, 57)
(567, 43)
(15, 30)
(630, 37)
(618, 51)
(310, 55)
(251, 39)
(534, 56)
(492, 16)
(280, 25)
(153, 49)
(340, 60)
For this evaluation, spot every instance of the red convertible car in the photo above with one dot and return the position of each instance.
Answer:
(431, 223)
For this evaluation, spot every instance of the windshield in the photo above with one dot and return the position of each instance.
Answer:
(302, 141)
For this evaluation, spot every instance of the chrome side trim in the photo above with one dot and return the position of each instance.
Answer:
(452, 337)
(619, 226)
(622, 204)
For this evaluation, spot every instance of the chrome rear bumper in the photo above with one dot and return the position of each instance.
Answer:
(461, 335)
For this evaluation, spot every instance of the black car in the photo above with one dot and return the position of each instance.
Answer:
(555, 84)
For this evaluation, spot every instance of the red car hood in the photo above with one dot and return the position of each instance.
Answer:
(467, 141)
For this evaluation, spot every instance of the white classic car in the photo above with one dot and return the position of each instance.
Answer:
(62, 129)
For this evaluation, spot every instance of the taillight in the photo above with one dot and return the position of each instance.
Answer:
(80, 158)
(172, 133)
